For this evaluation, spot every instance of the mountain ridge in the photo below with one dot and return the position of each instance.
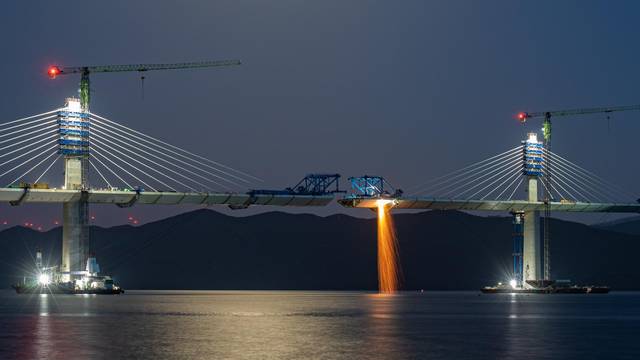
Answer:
(205, 249)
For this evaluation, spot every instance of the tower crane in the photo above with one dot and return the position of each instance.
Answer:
(85, 92)
(547, 115)
(546, 131)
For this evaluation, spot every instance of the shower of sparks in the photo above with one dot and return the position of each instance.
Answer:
(388, 257)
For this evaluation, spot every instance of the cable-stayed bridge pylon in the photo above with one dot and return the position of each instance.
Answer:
(513, 182)
(106, 162)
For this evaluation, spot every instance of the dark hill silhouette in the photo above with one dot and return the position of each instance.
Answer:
(204, 249)
(626, 226)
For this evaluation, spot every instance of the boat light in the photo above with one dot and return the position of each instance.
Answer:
(44, 279)
(513, 283)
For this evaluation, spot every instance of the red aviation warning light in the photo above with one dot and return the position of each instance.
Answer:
(522, 117)
(53, 71)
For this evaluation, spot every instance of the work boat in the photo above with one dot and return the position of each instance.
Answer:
(544, 287)
(48, 280)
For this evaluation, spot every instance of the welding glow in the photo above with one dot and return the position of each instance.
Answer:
(513, 283)
(388, 257)
(384, 202)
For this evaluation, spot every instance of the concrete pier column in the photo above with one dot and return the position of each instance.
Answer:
(73, 128)
(75, 235)
(531, 254)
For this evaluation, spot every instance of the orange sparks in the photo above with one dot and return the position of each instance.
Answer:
(388, 257)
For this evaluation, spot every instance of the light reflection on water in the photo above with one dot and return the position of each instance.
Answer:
(41, 344)
(332, 325)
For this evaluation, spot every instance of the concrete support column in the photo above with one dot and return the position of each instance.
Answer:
(75, 217)
(73, 128)
(73, 169)
(75, 235)
(531, 254)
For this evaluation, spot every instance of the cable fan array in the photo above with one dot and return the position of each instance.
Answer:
(120, 158)
(501, 177)
(124, 158)
(498, 177)
(570, 181)
(28, 148)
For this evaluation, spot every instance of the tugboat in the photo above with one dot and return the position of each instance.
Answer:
(544, 287)
(48, 280)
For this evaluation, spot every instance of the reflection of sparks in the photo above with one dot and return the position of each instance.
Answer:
(388, 259)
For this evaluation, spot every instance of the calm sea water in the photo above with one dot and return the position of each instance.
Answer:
(319, 325)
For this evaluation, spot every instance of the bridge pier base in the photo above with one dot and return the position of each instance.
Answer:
(75, 236)
(531, 254)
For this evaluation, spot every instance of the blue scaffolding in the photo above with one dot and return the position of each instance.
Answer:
(372, 186)
(518, 243)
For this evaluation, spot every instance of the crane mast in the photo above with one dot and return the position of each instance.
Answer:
(546, 131)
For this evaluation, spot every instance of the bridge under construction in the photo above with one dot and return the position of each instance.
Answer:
(491, 184)
(137, 169)
(106, 162)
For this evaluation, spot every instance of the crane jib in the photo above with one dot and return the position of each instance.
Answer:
(85, 91)
(146, 67)
(530, 115)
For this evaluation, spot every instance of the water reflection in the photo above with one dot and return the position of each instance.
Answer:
(57, 328)
(43, 329)
(384, 326)
(297, 325)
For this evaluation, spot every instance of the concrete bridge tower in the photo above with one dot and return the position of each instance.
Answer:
(533, 168)
(73, 128)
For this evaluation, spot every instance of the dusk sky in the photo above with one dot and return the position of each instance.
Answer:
(407, 90)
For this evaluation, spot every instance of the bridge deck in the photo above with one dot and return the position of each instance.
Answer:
(159, 198)
(483, 205)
